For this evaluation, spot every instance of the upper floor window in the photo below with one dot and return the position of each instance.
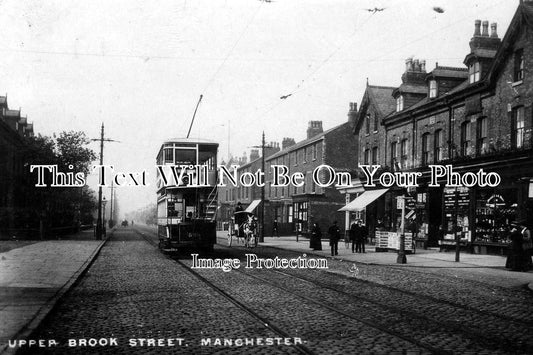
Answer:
(518, 70)
(432, 89)
(425, 149)
(394, 155)
(375, 155)
(315, 151)
(295, 157)
(474, 72)
(399, 103)
(482, 140)
(437, 146)
(375, 123)
(367, 124)
(403, 153)
(367, 156)
(305, 155)
(518, 129)
(465, 137)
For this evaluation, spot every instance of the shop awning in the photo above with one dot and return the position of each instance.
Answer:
(364, 200)
(410, 214)
(252, 206)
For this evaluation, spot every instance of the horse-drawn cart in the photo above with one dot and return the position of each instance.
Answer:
(243, 229)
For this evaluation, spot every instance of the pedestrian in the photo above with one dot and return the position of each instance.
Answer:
(413, 228)
(275, 228)
(353, 232)
(515, 257)
(334, 236)
(315, 241)
(527, 245)
(360, 237)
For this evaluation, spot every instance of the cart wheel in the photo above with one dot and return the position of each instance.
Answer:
(229, 239)
(254, 240)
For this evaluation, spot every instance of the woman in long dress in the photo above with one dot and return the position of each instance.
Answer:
(315, 242)
(515, 258)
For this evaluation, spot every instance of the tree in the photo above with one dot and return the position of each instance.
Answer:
(58, 208)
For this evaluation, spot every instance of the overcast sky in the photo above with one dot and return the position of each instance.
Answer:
(140, 66)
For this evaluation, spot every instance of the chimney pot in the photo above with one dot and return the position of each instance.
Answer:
(423, 65)
(485, 32)
(477, 25)
(416, 65)
(494, 30)
(409, 64)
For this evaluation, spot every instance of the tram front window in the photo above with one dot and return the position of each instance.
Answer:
(185, 157)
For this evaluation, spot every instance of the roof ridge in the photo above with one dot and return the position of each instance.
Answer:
(381, 87)
(451, 68)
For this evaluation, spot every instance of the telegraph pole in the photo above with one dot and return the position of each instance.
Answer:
(262, 239)
(262, 146)
(99, 227)
(111, 221)
(99, 218)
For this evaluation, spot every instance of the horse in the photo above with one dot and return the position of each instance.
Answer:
(249, 228)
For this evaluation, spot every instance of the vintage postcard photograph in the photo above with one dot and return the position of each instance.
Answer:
(266, 177)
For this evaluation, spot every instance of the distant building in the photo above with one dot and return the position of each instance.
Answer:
(13, 130)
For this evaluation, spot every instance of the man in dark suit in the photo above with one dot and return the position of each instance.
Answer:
(334, 236)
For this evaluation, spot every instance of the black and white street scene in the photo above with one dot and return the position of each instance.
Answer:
(266, 177)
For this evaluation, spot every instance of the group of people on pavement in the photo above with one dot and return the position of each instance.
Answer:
(519, 255)
(358, 236)
(334, 233)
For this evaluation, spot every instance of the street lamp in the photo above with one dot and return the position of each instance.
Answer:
(104, 202)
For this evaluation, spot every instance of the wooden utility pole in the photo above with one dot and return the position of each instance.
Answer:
(99, 227)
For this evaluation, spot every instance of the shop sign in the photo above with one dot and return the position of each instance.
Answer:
(459, 195)
(495, 201)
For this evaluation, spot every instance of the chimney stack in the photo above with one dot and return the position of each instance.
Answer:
(287, 142)
(314, 128)
(254, 154)
(485, 32)
(477, 25)
(493, 30)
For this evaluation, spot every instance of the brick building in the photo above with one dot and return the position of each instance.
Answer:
(13, 129)
(471, 118)
(229, 195)
(296, 208)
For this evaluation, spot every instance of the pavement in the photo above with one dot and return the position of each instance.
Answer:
(34, 277)
(487, 268)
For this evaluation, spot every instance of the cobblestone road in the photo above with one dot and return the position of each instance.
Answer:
(134, 292)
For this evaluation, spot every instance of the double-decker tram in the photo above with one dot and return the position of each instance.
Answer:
(187, 194)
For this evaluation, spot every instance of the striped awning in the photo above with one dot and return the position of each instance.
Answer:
(252, 206)
(363, 200)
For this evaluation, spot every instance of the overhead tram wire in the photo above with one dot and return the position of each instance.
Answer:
(298, 88)
(432, 33)
(212, 78)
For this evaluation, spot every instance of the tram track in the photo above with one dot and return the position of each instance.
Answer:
(421, 345)
(425, 326)
(302, 349)
(456, 327)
